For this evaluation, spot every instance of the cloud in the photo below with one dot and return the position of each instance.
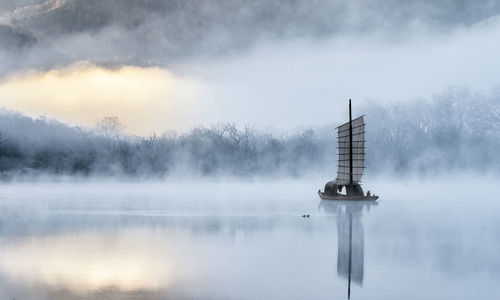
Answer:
(278, 85)
(145, 99)
(243, 61)
(299, 83)
(165, 33)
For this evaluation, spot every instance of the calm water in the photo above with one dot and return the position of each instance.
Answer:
(248, 241)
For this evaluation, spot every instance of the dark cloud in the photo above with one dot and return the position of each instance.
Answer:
(15, 40)
(164, 32)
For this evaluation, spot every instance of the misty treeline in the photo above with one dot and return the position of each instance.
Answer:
(456, 131)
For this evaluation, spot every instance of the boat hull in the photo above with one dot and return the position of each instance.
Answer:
(347, 198)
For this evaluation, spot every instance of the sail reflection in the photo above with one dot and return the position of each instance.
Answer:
(350, 254)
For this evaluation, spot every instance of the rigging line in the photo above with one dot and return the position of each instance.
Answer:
(354, 147)
(354, 159)
(358, 133)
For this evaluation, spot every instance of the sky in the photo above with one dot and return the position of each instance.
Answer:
(174, 64)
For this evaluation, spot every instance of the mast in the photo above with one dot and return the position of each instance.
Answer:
(350, 144)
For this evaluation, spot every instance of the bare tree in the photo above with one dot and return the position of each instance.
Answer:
(149, 143)
(110, 127)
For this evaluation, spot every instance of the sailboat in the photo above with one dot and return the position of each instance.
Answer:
(351, 163)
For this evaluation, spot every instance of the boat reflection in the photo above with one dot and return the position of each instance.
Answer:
(350, 253)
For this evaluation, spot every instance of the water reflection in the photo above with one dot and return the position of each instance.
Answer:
(139, 255)
(86, 262)
(350, 253)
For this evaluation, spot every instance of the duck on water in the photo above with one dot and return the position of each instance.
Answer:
(351, 163)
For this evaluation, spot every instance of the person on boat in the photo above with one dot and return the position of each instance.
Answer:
(332, 188)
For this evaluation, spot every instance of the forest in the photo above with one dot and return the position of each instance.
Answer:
(454, 131)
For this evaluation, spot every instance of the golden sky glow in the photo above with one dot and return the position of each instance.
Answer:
(145, 99)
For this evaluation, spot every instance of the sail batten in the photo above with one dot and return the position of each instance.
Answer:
(351, 146)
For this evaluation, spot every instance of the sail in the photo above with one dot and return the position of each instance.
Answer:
(358, 152)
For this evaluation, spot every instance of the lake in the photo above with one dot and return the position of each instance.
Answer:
(248, 240)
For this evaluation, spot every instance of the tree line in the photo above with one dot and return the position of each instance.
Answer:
(453, 132)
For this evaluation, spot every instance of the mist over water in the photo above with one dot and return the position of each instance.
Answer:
(241, 240)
